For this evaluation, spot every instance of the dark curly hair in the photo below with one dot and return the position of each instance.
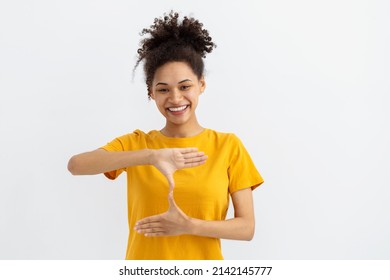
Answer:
(171, 40)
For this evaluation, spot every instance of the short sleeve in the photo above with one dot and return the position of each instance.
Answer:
(242, 171)
(125, 142)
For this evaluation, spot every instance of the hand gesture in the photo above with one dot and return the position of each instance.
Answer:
(171, 223)
(167, 161)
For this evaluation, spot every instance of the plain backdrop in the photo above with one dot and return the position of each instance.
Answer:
(304, 85)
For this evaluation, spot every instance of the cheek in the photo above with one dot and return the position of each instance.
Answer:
(159, 98)
(160, 105)
(192, 94)
(159, 102)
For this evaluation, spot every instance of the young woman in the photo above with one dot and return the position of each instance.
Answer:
(179, 178)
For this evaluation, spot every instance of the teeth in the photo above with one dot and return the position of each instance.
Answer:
(177, 109)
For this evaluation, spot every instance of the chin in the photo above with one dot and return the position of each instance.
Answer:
(178, 122)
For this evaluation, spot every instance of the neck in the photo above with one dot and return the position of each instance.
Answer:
(182, 130)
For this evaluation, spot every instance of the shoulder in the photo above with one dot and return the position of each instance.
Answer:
(135, 140)
(132, 135)
(131, 138)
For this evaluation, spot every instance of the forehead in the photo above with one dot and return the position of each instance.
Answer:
(173, 73)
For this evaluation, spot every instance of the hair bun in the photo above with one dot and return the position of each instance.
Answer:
(168, 30)
(171, 40)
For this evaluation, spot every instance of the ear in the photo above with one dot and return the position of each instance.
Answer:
(202, 83)
(151, 94)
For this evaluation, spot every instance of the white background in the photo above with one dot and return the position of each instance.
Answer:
(304, 84)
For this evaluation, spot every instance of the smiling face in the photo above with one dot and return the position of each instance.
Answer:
(175, 90)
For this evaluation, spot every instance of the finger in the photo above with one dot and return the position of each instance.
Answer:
(193, 155)
(148, 225)
(172, 203)
(151, 219)
(156, 233)
(196, 159)
(187, 150)
(150, 230)
(171, 200)
(161, 233)
(194, 164)
(171, 181)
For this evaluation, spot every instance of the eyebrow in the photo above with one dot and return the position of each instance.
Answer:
(165, 84)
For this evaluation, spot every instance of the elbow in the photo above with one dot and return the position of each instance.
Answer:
(73, 166)
(250, 232)
(249, 235)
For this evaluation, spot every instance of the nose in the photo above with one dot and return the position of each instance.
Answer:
(175, 96)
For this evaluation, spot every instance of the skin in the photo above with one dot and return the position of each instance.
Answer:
(176, 85)
(167, 161)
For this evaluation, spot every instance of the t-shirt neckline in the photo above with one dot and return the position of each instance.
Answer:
(181, 139)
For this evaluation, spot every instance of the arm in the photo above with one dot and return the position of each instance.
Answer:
(100, 161)
(167, 161)
(241, 227)
(175, 222)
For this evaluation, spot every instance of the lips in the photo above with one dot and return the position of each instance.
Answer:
(178, 109)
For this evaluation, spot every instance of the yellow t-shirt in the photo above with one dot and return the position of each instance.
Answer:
(202, 192)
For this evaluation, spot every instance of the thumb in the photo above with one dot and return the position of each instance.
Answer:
(171, 181)
(171, 200)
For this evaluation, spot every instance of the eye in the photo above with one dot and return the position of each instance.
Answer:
(162, 90)
(185, 87)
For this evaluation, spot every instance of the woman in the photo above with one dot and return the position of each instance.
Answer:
(179, 178)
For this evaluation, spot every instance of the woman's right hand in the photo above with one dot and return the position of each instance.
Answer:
(167, 161)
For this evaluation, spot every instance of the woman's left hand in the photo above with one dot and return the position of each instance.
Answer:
(171, 223)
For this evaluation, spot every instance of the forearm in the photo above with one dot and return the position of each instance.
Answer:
(237, 228)
(101, 161)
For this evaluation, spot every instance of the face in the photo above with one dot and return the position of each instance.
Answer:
(175, 90)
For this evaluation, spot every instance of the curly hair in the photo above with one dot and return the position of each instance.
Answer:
(171, 40)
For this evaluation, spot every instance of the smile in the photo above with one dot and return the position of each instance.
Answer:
(178, 109)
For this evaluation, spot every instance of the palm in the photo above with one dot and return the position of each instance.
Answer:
(170, 223)
(170, 162)
(167, 161)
